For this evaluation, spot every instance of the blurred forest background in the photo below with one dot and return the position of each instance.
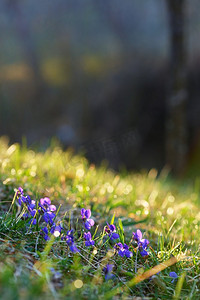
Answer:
(99, 75)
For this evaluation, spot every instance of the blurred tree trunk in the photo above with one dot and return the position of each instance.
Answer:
(176, 124)
(23, 30)
(107, 10)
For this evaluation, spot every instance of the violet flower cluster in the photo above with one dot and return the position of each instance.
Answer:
(111, 232)
(123, 250)
(45, 209)
(86, 214)
(43, 213)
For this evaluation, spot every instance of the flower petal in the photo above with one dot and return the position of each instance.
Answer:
(52, 207)
(73, 248)
(128, 253)
(112, 227)
(45, 201)
(87, 213)
(114, 236)
(173, 274)
(121, 253)
(144, 253)
(83, 213)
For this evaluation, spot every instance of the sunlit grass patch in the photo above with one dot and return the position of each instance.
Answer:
(166, 212)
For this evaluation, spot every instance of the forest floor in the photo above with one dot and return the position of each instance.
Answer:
(38, 262)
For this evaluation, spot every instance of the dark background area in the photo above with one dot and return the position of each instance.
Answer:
(96, 75)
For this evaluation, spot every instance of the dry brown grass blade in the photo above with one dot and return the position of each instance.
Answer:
(153, 271)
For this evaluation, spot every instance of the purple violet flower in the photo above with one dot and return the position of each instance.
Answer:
(44, 233)
(33, 213)
(142, 243)
(88, 239)
(45, 204)
(45, 201)
(73, 248)
(127, 252)
(25, 216)
(143, 246)
(69, 238)
(123, 250)
(56, 230)
(31, 205)
(45, 208)
(119, 248)
(20, 191)
(111, 231)
(137, 236)
(48, 217)
(108, 272)
(86, 214)
(24, 199)
(173, 275)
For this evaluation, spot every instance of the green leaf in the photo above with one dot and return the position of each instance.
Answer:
(118, 203)
(127, 222)
(113, 219)
(121, 231)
